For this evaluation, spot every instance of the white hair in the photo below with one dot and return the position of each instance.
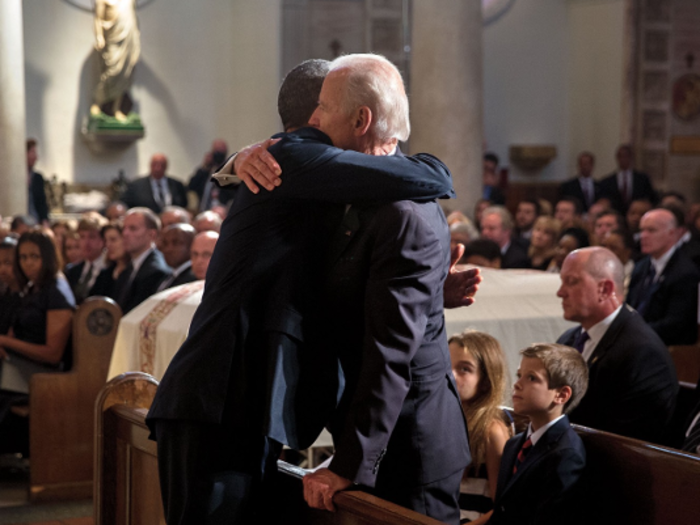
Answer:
(375, 82)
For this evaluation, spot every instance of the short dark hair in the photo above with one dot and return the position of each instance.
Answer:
(485, 248)
(621, 221)
(535, 203)
(491, 156)
(673, 194)
(19, 220)
(626, 236)
(49, 257)
(31, 143)
(298, 96)
(579, 234)
(578, 205)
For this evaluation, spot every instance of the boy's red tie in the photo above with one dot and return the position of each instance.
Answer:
(521, 455)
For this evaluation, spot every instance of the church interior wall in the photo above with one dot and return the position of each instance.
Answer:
(207, 70)
(552, 76)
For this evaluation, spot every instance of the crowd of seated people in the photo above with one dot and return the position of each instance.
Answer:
(637, 263)
(48, 268)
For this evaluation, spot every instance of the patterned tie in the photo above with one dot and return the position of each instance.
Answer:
(580, 341)
(522, 454)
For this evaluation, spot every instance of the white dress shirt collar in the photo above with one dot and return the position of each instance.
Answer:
(537, 434)
(596, 333)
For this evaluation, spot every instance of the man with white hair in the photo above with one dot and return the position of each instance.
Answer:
(252, 375)
(632, 384)
(664, 284)
(398, 429)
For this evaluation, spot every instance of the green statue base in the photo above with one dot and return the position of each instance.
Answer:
(104, 129)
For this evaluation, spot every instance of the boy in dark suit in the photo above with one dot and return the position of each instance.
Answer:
(541, 466)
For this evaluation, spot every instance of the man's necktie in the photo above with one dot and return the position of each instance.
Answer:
(624, 190)
(83, 286)
(647, 285)
(522, 454)
(580, 341)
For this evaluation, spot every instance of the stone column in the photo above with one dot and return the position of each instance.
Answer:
(446, 91)
(13, 158)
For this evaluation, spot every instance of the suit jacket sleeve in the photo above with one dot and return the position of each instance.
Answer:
(404, 272)
(313, 169)
(39, 195)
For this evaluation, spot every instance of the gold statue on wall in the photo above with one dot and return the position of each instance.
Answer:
(118, 44)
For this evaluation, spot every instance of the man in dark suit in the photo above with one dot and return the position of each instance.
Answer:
(82, 276)
(384, 294)
(176, 241)
(583, 187)
(626, 184)
(156, 190)
(491, 180)
(497, 225)
(664, 284)
(147, 268)
(632, 384)
(253, 374)
(208, 193)
(37, 203)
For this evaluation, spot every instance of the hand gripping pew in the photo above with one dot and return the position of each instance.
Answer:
(127, 490)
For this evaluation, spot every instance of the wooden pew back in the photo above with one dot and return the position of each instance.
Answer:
(61, 407)
(631, 481)
(626, 481)
(126, 488)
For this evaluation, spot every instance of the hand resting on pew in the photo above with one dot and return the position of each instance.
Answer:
(320, 487)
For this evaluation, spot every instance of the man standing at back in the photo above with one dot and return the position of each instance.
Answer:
(252, 374)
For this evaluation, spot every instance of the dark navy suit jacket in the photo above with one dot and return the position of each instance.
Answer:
(144, 284)
(140, 193)
(641, 189)
(253, 352)
(572, 188)
(385, 320)
(545, 483)
(632, 384)
(672, 310)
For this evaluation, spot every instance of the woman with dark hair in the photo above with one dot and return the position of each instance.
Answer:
(42, 324)
(117, 257)
(569, 240)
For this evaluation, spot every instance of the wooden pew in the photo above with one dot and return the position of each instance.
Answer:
(61, 407)
(126, 487)
(626, 481)
(127, 490)
(631, 481)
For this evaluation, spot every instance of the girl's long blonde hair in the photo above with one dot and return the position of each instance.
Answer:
(484, 407)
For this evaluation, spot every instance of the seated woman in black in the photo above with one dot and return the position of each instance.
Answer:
(117, 257)
(42, 324)
(9, 289)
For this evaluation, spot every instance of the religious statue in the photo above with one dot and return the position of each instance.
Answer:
(118, 43)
